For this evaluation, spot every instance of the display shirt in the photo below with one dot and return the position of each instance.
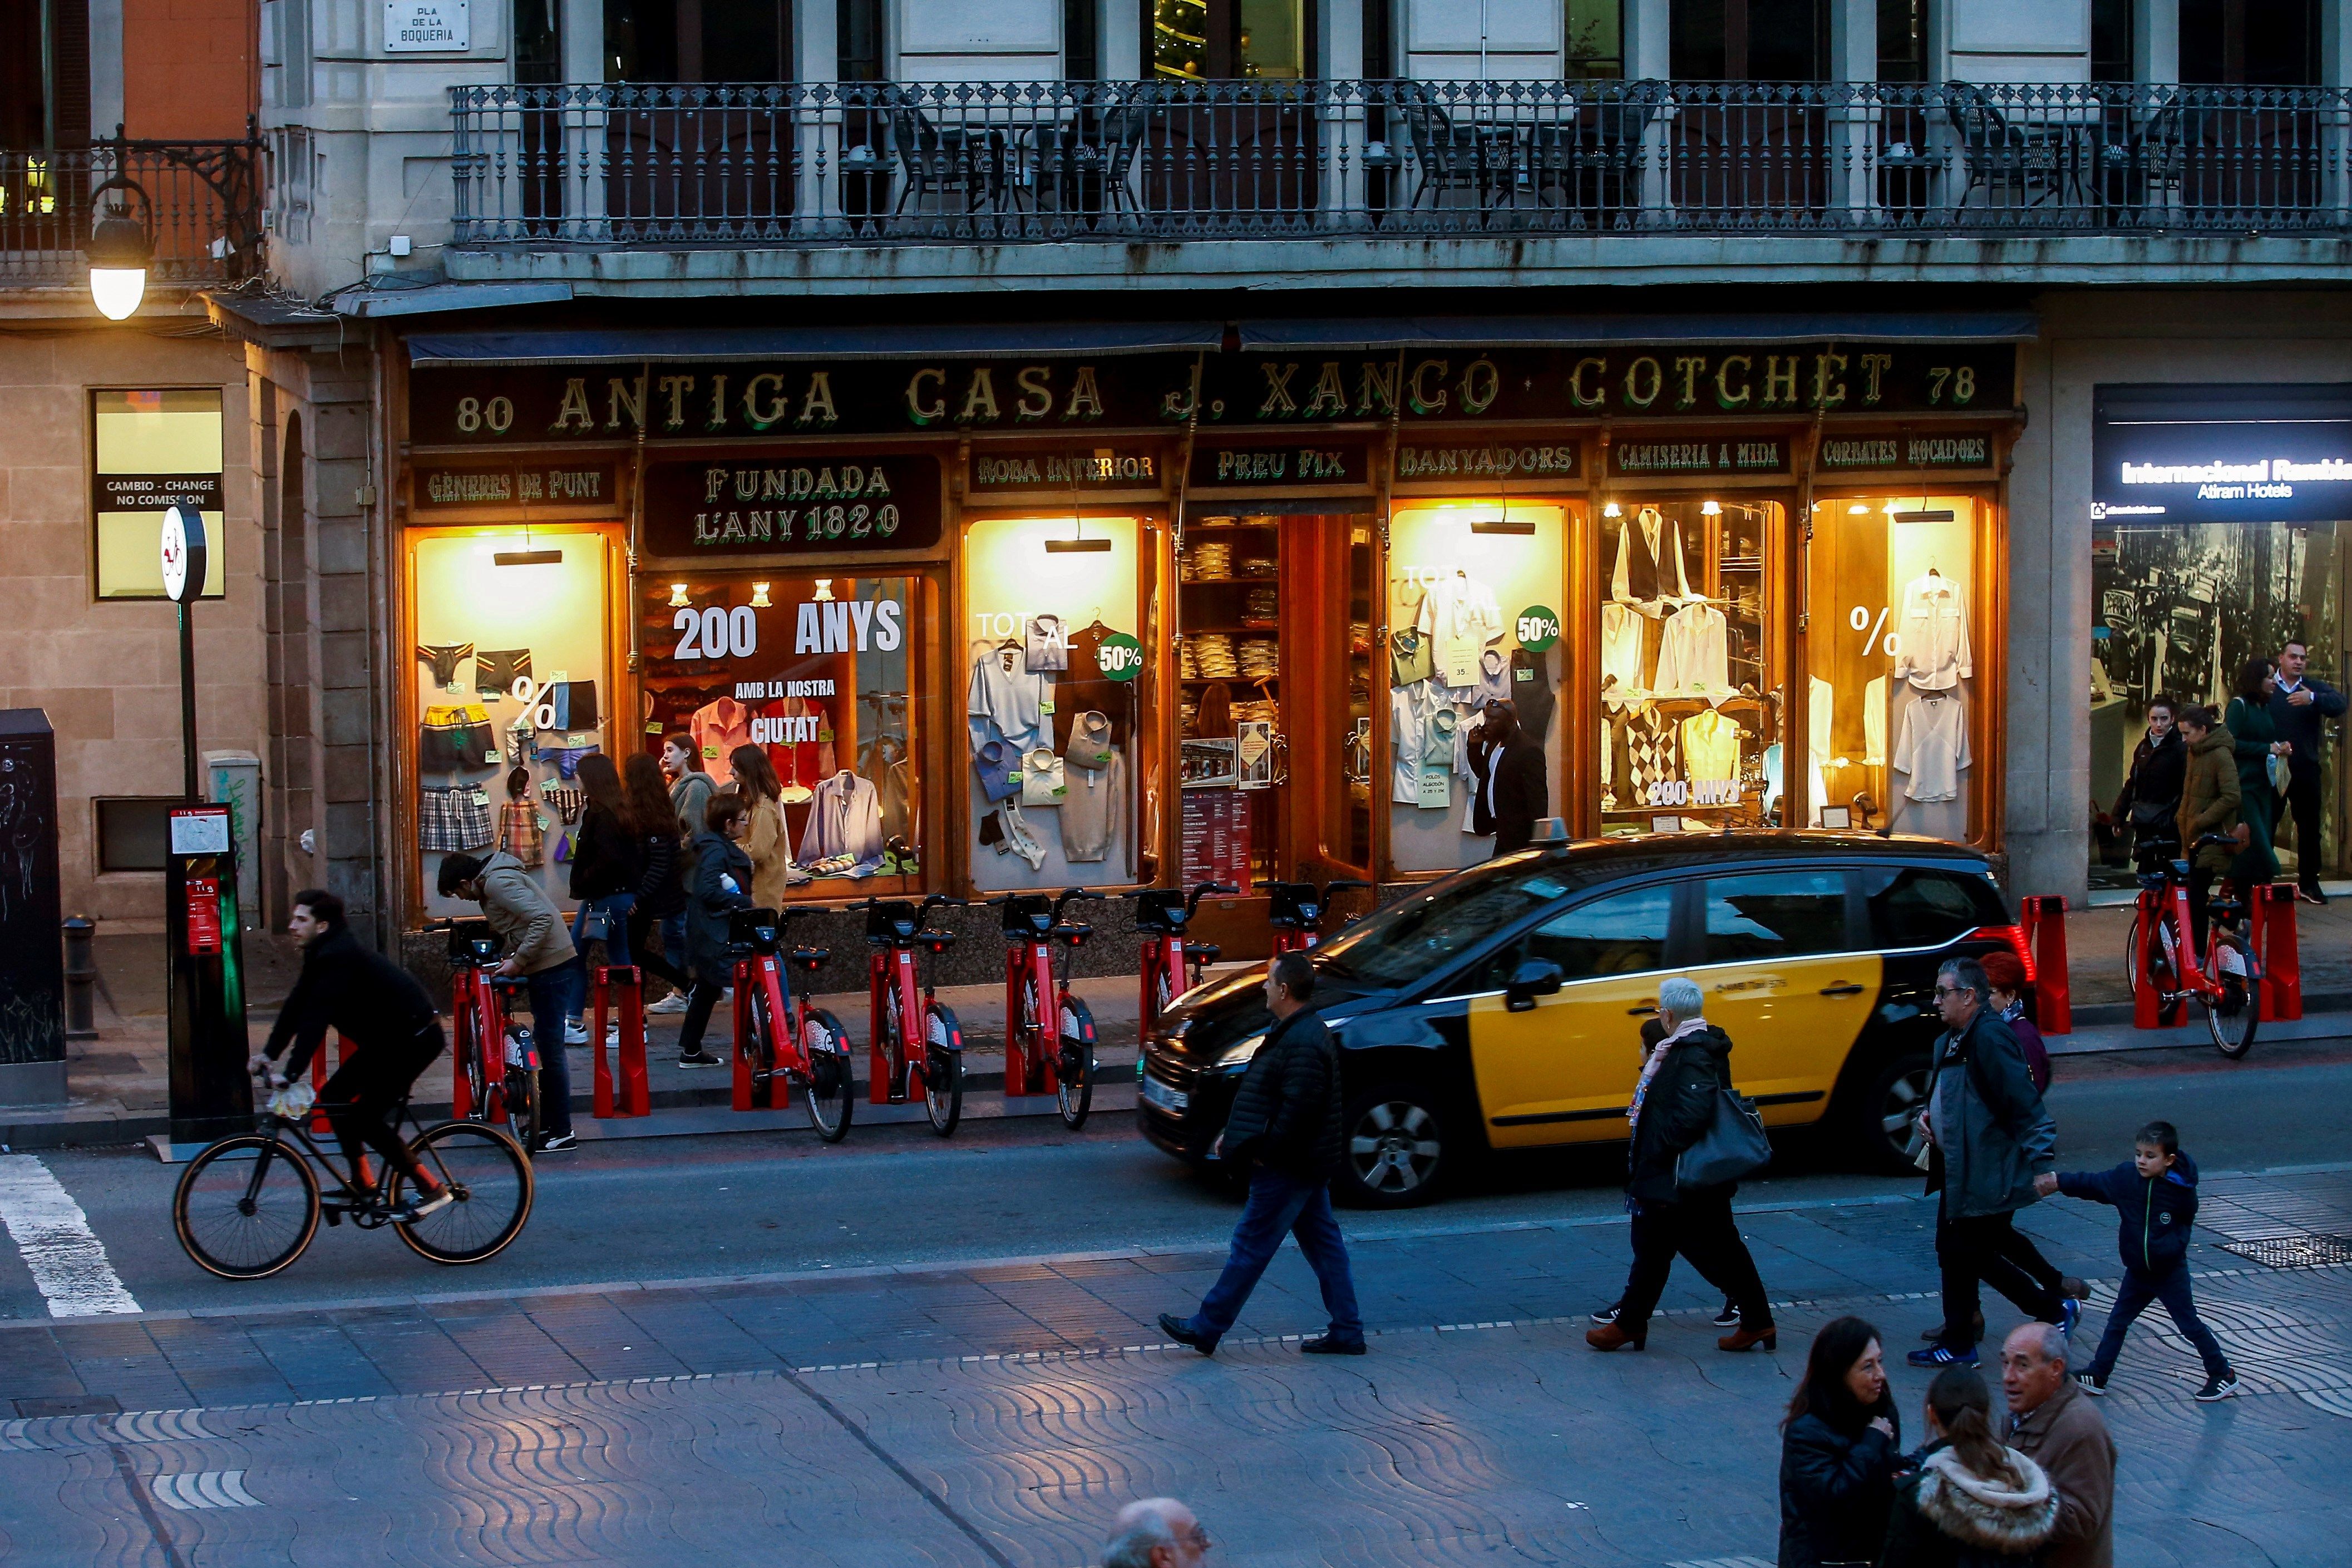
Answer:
(818, 674)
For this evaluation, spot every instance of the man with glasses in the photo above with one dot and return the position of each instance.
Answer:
(1989, 1136)
(1155, 1532)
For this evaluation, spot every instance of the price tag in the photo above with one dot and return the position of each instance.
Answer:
(1436, 788)
(1537, 628)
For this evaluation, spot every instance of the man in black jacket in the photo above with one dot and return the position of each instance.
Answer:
(380, 1009)
(2299, 705)
(1673, 1103)
(1286, 1126)
(1518, 788)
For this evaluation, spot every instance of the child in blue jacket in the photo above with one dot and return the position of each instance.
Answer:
(2155, 1195)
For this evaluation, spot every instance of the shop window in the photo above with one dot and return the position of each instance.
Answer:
(1749, 40)
(819, 673)
(509, 678)
(1056, 701)
(1689, 684)
(132, 831)
(1893, 723)
(1474, 596)
(153, 450)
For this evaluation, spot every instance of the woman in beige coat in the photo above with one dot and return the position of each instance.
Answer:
(765, 840)
(2211, 796)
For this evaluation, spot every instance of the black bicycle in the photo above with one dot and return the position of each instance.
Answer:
(246, 1207)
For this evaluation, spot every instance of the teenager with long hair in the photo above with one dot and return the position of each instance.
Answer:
(1972, 1501)
(661, 884)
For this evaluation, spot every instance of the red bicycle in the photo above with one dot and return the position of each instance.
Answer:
(1163, 914)
(781, 1039)
(495, 1075)
(1297, 912)
(1056, 1057)
(896, 931)
(2225, 980)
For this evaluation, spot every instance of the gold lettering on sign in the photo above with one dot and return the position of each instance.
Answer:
(1085, 397)
(1328, 398)
(674, 388)
(1036, 398)
(574, 411)
(1780, 379)
(816, 407)
(1279, 400)
(1642, 389)
(1723, 397)
(625, 395)
(759, 415)
(1825, 367)
(1376, 392)
(1689, 367)
(1874, 366)
(1419, 397)
(920, 411)
(979, 397)
(1482, 383)
(1576, 392)
(717, 420)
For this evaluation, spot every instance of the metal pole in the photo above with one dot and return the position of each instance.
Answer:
(188, 704)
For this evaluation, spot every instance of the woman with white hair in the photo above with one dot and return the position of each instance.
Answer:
(1673, 1103)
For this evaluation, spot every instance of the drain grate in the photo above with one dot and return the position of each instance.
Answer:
(2310, 1250)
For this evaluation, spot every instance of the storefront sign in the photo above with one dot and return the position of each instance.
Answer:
(1065, 468)
(1641, 459)
(588, 485)
(425, 27)
(1558, 459)
(157, 492)
(1323, 465)
(749, 400)
(1971, 449)
(2222, 454)
(792, 504)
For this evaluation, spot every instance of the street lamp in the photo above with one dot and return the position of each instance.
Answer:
(119, 251)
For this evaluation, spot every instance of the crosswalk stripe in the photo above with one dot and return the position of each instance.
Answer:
(67, 1261)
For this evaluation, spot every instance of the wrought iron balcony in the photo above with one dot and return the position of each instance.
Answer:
(975, 163)
(202, 210)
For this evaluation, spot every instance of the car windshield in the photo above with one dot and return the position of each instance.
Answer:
(1419, 935)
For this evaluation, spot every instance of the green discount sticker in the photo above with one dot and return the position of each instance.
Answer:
(1120, 656)
(1537, 628)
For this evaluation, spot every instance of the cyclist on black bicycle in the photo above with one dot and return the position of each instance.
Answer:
(384, 1013)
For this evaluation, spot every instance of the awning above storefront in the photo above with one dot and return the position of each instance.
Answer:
(607, 345)
(1576, 331)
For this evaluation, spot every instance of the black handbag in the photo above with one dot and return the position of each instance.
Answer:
(1732, 1149)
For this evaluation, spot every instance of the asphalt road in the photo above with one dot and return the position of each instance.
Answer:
(753, 1204)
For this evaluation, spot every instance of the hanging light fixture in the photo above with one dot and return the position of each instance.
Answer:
(1504, 524)
(759, 596)
(1080, 544)
(677, 597)
(1612, 510)
(823, 594)
(1710, 508)
(1859, 509)
(120, 252)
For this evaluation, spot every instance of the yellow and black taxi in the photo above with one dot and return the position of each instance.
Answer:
(1501, 1008)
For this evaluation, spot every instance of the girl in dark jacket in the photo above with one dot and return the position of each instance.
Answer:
(1839, 1452)
(605, 869)
(661, 881)
(1971, 1503)
(722, 884)
(2151, 793)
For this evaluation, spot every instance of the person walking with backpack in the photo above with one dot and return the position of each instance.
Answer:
(1673, 1105)
(1840, 1448)
(1285, 1127)
(1971, 1502)
(2154, 1195)
(1989, 1136)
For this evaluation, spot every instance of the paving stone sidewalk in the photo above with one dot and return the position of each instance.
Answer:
(997, 1415)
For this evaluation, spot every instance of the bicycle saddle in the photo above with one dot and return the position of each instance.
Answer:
(510, 981)
(2226, 908)
(1075, 932)
(811, 958)
(935, 941)
(1205, 952)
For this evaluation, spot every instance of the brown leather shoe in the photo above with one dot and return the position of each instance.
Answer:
(1745, 1338)
(1610, 1337)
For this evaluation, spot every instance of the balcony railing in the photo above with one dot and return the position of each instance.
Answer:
(770, 164)
(203, 209)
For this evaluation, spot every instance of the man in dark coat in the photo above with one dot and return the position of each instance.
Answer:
(1673, 1103)
(1285, 1127)
(2299, 707)
(1991, 1138)
(1517, 782)
(389, 1020)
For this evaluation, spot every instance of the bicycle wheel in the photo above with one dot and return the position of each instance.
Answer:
(522, 1095)
(485, 1169)
(832, 1097)
(943, 1069)
(2132, 977)
(246, 1207)
(469, 1062)
(2232, 1014)
(1076, 1065)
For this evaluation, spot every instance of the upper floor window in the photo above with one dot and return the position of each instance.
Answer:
(2111, 41)
(1902, 39)
(1750, 40)
(2250, 43)
(1216, 40)
(44, 74)
(1595, 46)
(715, 40)
(538, 45)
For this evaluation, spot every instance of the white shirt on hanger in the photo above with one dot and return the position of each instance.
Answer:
(1621, 644)
(1410, 708)
(1873, 723)
(1693, 654)
(1934, 748)
(1460, 618)
(1007, 694)
(1935, 634)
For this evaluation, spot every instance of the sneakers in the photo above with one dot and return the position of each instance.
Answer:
(1941, 1356)
(558, 1143)
(2069, 1312)
(669, 1006)
(1935, 1336)
(698, 1059)
(1324, 1344)
(2092, 1383)
(415, 1209)
(1608, 1314)
(2311, 895)
(2218, 1388)
(1728, 1318)
(575, 1032)
(1176, 1329)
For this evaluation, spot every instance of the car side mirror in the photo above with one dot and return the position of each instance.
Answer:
(1533, 978)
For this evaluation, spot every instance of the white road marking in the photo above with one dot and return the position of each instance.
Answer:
(53, 1235)
(207, 1489)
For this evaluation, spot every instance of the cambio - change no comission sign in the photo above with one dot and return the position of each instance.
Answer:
(2224, 454)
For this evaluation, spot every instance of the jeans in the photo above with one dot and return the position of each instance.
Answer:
(616, 907)
(698, 1004)
(551, 991)
(1984, 1247)
(2132, 1298)
(662, 962)
(1279, 1205)
(359, 1096)
(1704, 1231)
(2303, 798)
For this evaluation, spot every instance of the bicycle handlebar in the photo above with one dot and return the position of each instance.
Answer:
(1193, 903)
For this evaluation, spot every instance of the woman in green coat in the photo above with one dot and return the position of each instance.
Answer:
(2256, 740)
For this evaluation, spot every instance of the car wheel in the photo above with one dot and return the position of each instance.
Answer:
(1888, 1109)
(1394, 1148)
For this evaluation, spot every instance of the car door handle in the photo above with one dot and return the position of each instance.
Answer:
(1640, 1012)
(1842, 990)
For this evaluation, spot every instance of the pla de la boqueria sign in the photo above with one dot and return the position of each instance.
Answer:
(2282, 460)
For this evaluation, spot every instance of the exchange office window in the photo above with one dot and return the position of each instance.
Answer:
(1892, 718)
(818, 674)
(508, 673)
(1775, 914)
(1056, 701)
(153, 450)
(1689, 722)
(1473, 617)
